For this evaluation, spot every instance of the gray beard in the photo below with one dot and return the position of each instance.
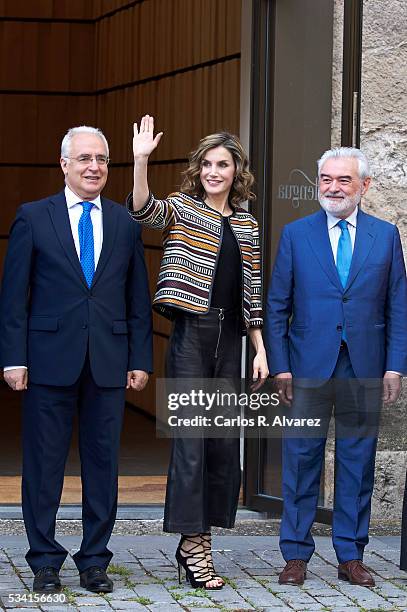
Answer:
(343, 209)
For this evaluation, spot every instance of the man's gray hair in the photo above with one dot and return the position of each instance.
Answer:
(357, 154)
(82, 129)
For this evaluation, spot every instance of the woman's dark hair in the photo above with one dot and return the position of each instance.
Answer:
(244, 179)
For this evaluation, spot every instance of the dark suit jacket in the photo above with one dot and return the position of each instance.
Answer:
(50, 318)
(306, 285)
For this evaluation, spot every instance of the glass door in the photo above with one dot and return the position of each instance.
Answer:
(300, 106)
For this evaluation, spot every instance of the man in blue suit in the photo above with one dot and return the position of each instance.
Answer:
(337, 313)
(75, 333)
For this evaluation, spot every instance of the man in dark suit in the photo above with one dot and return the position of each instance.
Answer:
(75, 333)
(340, 275)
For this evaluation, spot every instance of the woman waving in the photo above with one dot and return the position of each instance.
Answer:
(210, 285)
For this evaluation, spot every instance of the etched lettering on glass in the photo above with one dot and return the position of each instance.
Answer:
(300, 188)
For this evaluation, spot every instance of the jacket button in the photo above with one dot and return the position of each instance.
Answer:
(339, 327)
(345, 299)
(85, 326)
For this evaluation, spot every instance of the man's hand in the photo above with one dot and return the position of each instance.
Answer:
(17, 379)
(391, 387)
(137, 380)
(284, 384)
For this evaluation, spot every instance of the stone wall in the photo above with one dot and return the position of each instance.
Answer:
(384, 140)
(384, 104)
(384, 108)
(391, 458)
(337, 56)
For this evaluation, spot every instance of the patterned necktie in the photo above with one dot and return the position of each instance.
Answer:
(87, 249)
(344, 252)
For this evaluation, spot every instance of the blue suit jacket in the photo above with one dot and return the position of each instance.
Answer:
(49, 317)
(305, 286)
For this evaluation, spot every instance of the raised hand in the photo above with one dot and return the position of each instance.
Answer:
(144, 141)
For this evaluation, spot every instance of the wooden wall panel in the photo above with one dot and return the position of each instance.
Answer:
(54, 47)
(232, 31)
(164, 179)
(47, 9)
(32, 126)
(187, 106)
(153, 258)
(47, 56)
(152, 238)
(119, 182)
(104, 7)
(161, 36)
(21, 185)
(81, 58)
(22, 71)
(146, 398)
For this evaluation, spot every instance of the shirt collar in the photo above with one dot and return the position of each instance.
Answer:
(72, 199)
(332, 221)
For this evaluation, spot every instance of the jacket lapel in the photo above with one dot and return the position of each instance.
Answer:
(365, 237)
(109, 235)
(60, 219)
(318, 239)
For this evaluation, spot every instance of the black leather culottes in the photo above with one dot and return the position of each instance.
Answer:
(204, 473)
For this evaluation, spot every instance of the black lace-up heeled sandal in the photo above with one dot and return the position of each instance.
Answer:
(193, 560)
(207, 544)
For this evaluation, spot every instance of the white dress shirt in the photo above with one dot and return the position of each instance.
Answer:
(334, 230)
(75, 211)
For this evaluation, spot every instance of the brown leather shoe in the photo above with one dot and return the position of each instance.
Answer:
(355, 572)
(295, 572)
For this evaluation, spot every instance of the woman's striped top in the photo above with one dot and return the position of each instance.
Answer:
(192, 235)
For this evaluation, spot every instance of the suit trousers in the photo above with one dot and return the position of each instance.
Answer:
(357, 411)
(204, 473)
(48, 415)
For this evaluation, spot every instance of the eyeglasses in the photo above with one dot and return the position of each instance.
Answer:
(85, 160)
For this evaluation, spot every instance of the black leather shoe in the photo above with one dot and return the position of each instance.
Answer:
(46, 580)
(96, 580)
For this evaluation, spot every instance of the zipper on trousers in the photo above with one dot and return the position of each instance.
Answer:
(221, 316)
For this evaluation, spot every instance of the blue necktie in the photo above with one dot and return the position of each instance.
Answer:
(344, 252)
(344, 258)
(87, 249)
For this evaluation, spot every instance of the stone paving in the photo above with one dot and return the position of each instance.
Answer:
(145, 576)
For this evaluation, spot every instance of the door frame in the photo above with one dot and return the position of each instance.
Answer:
(256, 126)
